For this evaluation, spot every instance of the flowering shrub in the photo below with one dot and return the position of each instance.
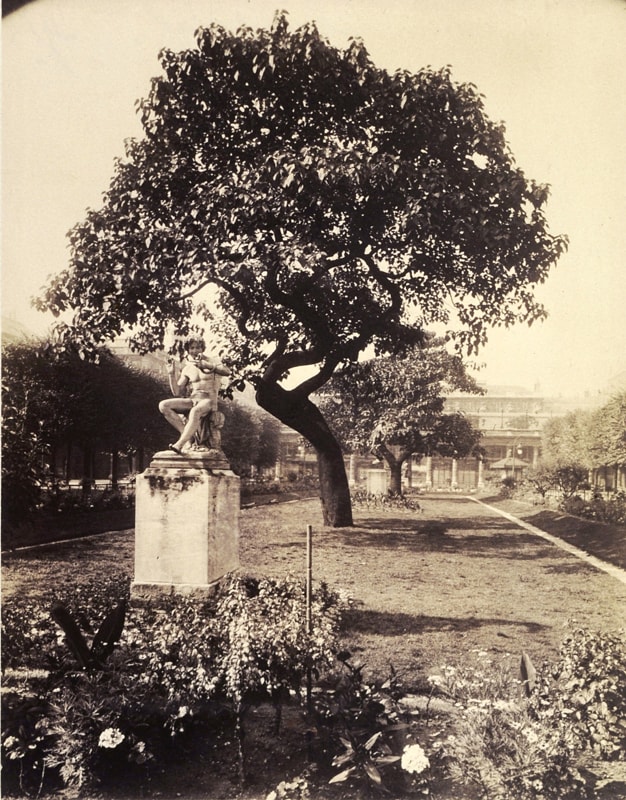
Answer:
(98, 724)
(500, 743)
(585, 692)
(385, 501)
(296, 789)
(248, 642)
(599, 508)
(363, 732)
(175, 664)
(414, 759)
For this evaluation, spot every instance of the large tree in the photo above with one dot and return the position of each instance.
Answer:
(394, 407)
(308, 204)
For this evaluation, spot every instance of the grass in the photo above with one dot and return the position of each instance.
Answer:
(603, 540)
(426, 588)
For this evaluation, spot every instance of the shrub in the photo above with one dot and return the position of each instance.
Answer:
(574, 505)
(499, 744)
(251, 487)
(363, 734)
(585, 692)
(176, 664)
(508, 486)
(611, 510)
(385, 501)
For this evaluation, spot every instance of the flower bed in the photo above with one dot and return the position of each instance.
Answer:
(216, 682)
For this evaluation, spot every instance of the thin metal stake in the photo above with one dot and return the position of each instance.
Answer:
(309, 581)
(309, 574)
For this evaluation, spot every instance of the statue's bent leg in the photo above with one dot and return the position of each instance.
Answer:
(170, 409)
(196, 414)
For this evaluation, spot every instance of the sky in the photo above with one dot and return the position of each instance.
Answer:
(554, 71)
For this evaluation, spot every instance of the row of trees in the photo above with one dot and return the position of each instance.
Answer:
(308, 205)
(581, 443)
(54, 404)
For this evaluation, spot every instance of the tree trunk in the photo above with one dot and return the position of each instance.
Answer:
(67, 463)
(394, 462)
(87, 470)
(303, 416)
(115, 469)
(395, 477)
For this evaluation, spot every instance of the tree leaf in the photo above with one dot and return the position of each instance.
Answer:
(342, 776)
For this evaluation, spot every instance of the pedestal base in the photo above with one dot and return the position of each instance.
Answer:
(186, 524)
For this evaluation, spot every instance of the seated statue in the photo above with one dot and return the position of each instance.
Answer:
(201, 377)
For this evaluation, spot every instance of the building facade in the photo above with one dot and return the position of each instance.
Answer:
(510, 418)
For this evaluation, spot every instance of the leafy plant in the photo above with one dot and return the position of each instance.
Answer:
(103, 642)
(25, 738)
(370, 756)
(360, 728)
(499, 743)
(585, 692)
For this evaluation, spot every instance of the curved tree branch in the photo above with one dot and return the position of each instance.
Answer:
(295, 303)
(198, 288)
(315, 382)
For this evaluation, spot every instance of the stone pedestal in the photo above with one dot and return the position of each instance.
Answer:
(186, 524)
(377, 481)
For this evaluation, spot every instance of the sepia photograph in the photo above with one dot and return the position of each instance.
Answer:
(313, 400)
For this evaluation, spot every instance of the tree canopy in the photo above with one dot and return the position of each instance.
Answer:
(394, 406)
(307, 204)
(591, 439)
(49, 401)
(251, 437)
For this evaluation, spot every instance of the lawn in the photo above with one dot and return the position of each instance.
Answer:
(427, 589)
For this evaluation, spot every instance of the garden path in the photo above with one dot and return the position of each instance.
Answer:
(610, 569)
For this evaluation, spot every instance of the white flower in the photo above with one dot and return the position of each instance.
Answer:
(531, 736)
(414, 759)
(110, 738)
(182, 712)
(504, 705)
(10, 742)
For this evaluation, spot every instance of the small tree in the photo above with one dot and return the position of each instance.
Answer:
(269, 442)
(393, 407)
(609, 434)
(569, 478)
(541, 478)
(36, 412)
(309, 205)
(241, 436)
